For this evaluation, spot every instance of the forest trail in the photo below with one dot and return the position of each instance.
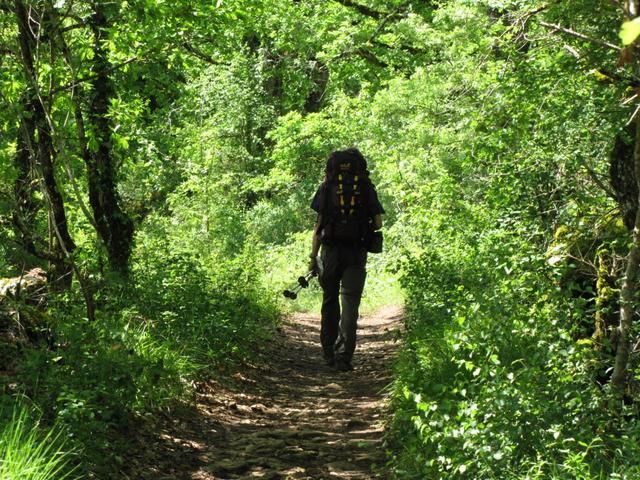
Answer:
(286, 415)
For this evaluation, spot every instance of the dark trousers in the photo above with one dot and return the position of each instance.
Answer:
(342, 280)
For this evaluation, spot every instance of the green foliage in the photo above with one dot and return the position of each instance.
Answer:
(29, 453)
(489, 133)
(215, 305)
(499, 377)
(492, 381)
(181, 317)
(630, 31)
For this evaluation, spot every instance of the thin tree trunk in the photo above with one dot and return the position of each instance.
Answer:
(37, 138)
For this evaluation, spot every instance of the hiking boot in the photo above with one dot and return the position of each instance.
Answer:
(343, 365)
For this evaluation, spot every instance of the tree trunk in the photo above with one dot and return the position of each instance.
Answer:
(628, 290)
(26, 209)
(320, 79)
(113, 224)
(37, 139)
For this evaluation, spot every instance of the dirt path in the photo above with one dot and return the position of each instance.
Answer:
(288, 416)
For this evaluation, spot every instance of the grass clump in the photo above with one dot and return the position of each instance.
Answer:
(31, 453)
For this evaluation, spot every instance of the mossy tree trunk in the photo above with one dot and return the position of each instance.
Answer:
(26, 205)
(629, 288)
(628, 291)
(112, 223)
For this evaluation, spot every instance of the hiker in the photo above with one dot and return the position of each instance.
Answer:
(349, 213)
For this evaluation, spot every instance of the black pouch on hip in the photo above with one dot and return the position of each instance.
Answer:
(374, 243)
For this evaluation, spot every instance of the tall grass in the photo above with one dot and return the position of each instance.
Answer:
(28, 454)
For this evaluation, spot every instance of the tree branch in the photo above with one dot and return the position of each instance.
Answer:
(628, 82)
(371, 58)
(581, 36)
(384, 18)
(406, 48)
(599, 183)
(73, 27)
(205, 57)
(523, 20)
(383, 23)
(35, 246)
(362, 9)
(88, 78)
(75, 90)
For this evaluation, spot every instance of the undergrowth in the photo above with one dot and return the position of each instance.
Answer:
(491, 382)
(178, 319)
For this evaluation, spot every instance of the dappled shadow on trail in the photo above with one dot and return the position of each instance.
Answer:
(284, 416)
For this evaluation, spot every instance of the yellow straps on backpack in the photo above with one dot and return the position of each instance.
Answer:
(355, 192)
(353, 195)
(341, 193)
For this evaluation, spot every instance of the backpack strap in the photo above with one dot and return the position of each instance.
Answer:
(355, 193)
(322, 199)
(341, 193)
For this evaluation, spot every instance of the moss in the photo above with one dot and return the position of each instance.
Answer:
(589, 265)
(604, 294)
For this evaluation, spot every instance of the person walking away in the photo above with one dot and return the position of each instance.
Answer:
(348, 213)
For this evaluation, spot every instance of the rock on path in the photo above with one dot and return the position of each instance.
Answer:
(286, 416)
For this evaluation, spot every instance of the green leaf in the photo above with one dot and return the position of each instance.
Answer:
(630, 31)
